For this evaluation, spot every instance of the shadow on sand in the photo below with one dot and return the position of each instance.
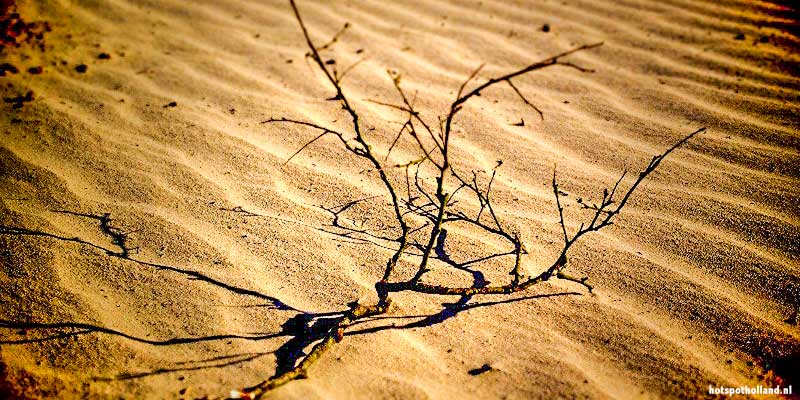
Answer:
(302, 330)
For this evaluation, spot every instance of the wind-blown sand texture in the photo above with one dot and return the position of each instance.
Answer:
(697, 284)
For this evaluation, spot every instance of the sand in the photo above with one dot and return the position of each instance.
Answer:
(697, 284)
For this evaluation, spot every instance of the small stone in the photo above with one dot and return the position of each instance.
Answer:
(546, 28)
(104, 56)
(81, 68)
(35, 70)
(739, 36)
(171, 104)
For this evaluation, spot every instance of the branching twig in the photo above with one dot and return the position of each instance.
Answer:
(439, 207)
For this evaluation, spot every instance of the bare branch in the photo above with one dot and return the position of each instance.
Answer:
(339, 78)
(471, 77)
(560, 209)
(521, 96)
(396, 139)
(335, 37)
(436, 208)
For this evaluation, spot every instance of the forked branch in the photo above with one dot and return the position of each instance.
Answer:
(437, 205)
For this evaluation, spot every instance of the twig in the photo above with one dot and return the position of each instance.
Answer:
(438, 207)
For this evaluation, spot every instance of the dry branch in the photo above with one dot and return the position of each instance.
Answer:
(436, 206)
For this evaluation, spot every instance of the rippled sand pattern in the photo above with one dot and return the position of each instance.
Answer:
(698, 284)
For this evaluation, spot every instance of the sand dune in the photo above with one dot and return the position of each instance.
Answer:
(697, 284)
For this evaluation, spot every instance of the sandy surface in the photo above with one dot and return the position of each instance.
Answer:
(697, 284)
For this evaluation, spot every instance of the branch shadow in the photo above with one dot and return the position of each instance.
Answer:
(76, 329)
(303, 330)
(119, 238)
(210, 363)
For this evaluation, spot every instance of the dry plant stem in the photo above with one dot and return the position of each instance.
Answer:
(460, 100)
(522, 97)
(441, 201)
(365, 151)
(301, 370)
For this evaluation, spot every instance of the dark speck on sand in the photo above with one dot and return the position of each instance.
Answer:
(480, 370)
